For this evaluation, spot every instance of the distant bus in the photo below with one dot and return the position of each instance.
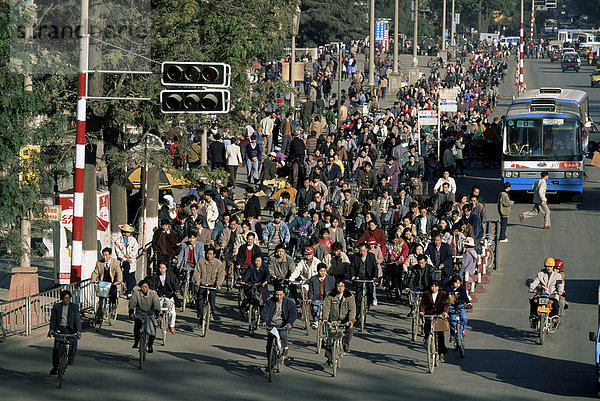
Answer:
(509, 40)
(550, 26)
(544, 131)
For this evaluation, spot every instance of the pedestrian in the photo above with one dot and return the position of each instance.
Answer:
(233, 156)
(253, 155)
(287, 127)
(216, 153)
(540, 202)
(504, 207)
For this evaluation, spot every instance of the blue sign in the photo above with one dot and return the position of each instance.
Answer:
(445, 33)
(457, 18)
(379, 30)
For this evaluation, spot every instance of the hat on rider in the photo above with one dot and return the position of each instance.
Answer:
(559, 264)
(549, 262)
(371, 241)
(126, 228)
(470, 242)
(309, 250)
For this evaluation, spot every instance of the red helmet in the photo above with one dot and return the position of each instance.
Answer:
(560, 264)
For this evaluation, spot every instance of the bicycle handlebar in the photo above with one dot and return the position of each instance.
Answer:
(364, 281)
(207, 287)
(431, 316)
(269, 328)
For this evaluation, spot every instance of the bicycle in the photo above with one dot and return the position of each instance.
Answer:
(363, 303)
(66, 341)
(253, 307)
(459, 332)
(414, 299)
(204, 322)
(432, 345)
(276, 357)
(144, 337)
(320, 327)
(106, 309)
(304, 306)
(188, 292)
(335, 333)
(165, 318)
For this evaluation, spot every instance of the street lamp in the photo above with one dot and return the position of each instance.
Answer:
(295, 29)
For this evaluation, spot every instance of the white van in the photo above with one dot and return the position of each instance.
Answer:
(512, 40)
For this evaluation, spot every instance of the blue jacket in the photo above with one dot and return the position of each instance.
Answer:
(254, 276)
(313, 286)
(475, 221)
(185, 250)
(288, 311)
(460, 294)
(334, 173)
(73, 316)
(269, 231)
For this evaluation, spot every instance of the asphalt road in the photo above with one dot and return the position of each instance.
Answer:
(503, 360)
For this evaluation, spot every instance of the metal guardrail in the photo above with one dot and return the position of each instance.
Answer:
(21, 316)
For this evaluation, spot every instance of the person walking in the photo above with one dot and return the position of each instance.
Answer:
(540, 202)
(233, 156)
(504, 207)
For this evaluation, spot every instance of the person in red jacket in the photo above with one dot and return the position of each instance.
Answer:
(435, 302)
(374, 232)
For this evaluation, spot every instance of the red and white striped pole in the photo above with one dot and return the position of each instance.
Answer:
(532, 20)
(77, 251)
(521, 52)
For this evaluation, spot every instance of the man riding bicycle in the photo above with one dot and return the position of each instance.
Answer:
(191, 252)
(279, 311)
(65, 318)
(144, 302)
(305, 269)
(318, 287)
(340, 306)
(281, 265)
(166, 286)
(420, 277)
(363, 266)
(209, 272)
(458, 299)
(108, 269)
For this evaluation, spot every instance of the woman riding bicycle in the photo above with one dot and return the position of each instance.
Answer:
(458, 299)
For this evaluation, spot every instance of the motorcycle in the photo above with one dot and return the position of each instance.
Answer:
(541, 321)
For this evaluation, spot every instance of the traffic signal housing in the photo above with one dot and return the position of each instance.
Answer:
(195, 101)
(215, 75)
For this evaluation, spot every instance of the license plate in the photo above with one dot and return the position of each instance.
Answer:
(543, 301)
(554, 182)
(543, 309)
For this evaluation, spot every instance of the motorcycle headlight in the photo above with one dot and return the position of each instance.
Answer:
(568, 174)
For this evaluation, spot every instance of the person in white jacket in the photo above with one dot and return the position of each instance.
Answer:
(305, 269)
(233, 159)
(126, 250)
(212, 211)
(540, 202)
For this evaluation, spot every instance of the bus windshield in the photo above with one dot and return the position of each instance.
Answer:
(543, 139)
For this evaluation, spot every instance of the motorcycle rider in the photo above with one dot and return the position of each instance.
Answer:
(549, 281)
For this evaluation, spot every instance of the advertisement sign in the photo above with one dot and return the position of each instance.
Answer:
(62, 250)
(30, 157)
(428, 117)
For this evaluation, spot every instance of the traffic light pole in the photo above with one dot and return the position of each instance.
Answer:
(77, 250)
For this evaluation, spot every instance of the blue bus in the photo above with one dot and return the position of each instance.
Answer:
(546, 129)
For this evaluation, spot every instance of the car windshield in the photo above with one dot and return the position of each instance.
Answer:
(570, 59)
(543, 138)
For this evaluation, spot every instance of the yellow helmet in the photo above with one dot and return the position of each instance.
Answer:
(549, 262)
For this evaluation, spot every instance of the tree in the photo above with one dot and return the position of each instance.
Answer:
(326, 21)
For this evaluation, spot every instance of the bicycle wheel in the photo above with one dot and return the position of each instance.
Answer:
(460, 339)
(415, 325)
(112, 314)
(164, 325)
(205, 320)
(272, 362)
(335, 356)
(186, 289)
(363, 313)
(319, 336)
(306, 317)
(240, 299)
(430, 353)
(62, 364)
(490, 260)
(229, 278)
(142, 349)
(99, 317)
(251, 320)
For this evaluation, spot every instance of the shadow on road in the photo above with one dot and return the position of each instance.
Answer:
(504, 332)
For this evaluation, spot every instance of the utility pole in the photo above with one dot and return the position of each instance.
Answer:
(452, 25)
(292, 62)
(521, 52)
(415, 33)
(339, 82)
(444, 27)
(25, 260)
(532, 19)
(77, 251)
(396, 10)
(372, 45)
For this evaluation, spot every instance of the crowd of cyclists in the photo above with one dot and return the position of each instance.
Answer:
(330, 208)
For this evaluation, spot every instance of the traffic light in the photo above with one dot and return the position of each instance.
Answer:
(196, 101)
(550, 3)
(216, 75)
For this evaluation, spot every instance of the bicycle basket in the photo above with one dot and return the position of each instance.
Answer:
(440, 324)
(103, 289)
(65, 338)
(413, 297)
(335, 334)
